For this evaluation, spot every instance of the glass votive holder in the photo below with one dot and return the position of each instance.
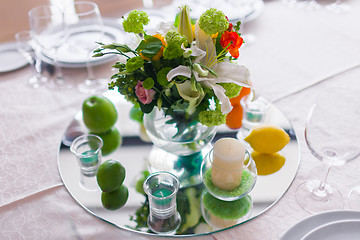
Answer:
(221, 214)
(87, 149)
(254, 111)
(161, 189)
(248, 175)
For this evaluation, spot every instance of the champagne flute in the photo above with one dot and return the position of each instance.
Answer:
(47, 28)
(84, 28)
(26, 47)
(331, 131)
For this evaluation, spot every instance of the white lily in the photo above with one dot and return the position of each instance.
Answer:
(194, 97)
(226, 72)
(184, 27)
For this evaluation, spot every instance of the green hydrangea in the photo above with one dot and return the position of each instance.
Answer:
(162, 76)
(231, 89)
(172, 51)
(174, 37)
(148, 83)
(213, 21)
(134, 64)
(212, 118)
(135, 21)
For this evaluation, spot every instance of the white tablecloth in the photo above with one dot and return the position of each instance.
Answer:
(297, 53)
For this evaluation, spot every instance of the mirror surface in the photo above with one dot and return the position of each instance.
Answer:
(134, 154)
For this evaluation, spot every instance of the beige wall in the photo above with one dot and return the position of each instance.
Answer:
(14, 18)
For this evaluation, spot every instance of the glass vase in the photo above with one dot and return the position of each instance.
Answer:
(180, 144)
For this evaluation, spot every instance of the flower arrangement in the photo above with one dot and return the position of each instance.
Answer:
(186, 67)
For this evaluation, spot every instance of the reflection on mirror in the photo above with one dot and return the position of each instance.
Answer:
(200, 212)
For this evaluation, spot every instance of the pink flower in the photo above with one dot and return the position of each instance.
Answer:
(145, 96)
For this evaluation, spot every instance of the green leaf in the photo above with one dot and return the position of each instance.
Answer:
(148, 83)
(98, 55)
(237, 26)
(150, 46)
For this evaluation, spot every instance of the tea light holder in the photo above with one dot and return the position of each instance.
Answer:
(221, 214)
(248, 178)
(87, 150)
(254, 111)
(161, 189)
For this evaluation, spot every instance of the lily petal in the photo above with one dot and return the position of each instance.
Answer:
(198, 53)
(205, 43)
(232, 73)
(184, 27)
(179, 71)
(220, 94)
(226, 73)
(193, 97)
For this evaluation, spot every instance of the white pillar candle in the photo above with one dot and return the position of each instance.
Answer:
(228, 161)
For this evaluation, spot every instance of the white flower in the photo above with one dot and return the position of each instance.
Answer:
(194, 97)
(225, 72)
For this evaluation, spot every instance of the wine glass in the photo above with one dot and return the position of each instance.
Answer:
(47, 29)
(331, 132)
(84, 28)
(338, 7)
(158, 15)
(148, 3)
(354, 198)
(26, 47)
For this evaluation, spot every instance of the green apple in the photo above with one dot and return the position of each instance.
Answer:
(110, 175)
(115, 199)
(140, 182)
(99, 114)
(111, 140)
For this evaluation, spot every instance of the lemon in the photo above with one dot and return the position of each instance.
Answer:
(110, 175)
(115, 199)
(267, 138)
(268, 163)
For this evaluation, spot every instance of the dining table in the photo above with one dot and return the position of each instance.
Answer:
(292, 52)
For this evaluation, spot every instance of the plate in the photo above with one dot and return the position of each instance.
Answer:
(73, 57)
(134, 155)
(10, 58)
(336, 230)
(304, 227)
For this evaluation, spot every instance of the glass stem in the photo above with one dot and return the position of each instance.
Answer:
(90, 71)
(58, 70)
(320, 191)
(37, 67)
(148, 3)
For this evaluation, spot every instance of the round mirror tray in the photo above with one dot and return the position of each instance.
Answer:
(273, 179)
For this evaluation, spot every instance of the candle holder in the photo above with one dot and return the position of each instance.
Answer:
(161, 188)
(87, 149)
(223, 214)
(248, 178)
(254, 112)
